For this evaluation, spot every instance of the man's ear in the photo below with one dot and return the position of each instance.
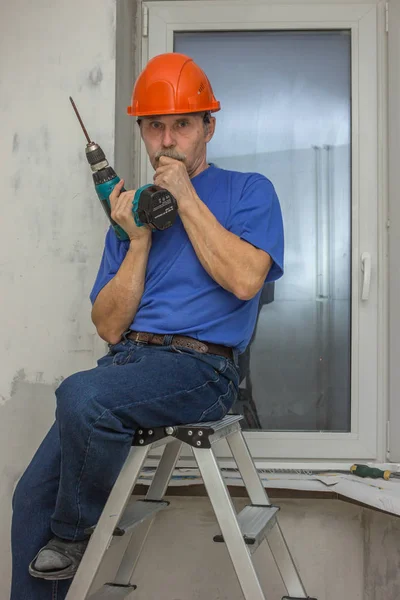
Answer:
(211, 128)
(139, 123)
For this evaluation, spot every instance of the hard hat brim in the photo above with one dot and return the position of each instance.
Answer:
(134, 113)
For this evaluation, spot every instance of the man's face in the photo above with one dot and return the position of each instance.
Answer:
(183, 137)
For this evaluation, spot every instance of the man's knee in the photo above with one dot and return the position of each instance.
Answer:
(78, 397)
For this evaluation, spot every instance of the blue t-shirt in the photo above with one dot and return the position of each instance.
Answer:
(179, 296)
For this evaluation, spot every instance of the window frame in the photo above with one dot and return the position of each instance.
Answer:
(367, 24)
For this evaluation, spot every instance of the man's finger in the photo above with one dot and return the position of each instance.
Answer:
(166, 160)
(124, 199)
(117, 190)
(157, 175)
(161, 170)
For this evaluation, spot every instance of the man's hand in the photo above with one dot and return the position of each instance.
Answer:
(121, 212)
(172, 175)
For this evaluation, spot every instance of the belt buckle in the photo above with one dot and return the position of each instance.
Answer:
(137, 337)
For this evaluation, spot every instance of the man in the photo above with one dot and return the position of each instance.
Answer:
(176, 308)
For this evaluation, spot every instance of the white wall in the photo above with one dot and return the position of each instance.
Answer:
(52, 226)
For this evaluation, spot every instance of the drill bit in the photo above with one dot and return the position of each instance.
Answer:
(80, 121)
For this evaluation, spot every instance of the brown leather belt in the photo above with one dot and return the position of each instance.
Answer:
(181, 340)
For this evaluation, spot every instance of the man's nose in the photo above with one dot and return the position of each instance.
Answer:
(168, 139)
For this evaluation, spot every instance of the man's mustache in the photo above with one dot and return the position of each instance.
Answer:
(170, 154)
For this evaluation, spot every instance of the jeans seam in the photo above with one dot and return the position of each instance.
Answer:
(54, 590)
(230, 386)
(82, 469)
(219, 402)
(224, 367)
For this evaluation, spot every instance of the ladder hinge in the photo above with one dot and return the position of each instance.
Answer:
(145, 21)
(387, 17)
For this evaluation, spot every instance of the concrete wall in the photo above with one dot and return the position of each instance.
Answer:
(51, 227)
(51, 237)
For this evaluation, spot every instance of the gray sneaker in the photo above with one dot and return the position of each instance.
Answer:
(59, 559)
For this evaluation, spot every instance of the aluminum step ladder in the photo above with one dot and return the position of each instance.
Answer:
(242, 533)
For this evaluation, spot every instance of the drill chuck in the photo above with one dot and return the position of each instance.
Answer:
(95, 157)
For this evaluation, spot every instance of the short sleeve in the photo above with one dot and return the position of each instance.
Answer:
(257, 218)
(113, 254)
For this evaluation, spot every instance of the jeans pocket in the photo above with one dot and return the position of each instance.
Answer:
(122, 358)
(220, 408)
(106, 360)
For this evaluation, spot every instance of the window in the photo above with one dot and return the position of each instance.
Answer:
(286, 114)
(298, 87)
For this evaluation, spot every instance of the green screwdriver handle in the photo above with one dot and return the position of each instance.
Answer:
(365, 471)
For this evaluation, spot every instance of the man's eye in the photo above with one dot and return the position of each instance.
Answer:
(155, 125)
(183, 123)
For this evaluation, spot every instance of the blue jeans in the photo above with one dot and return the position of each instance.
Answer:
(67, 483)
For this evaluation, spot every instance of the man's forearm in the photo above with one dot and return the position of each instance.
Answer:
(230, 261)
(117, 303)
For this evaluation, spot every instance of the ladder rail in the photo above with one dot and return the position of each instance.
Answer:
(103, 534)
(226, 516)
(285, 563)
(257, 494)
(156, 491)
(247, 468)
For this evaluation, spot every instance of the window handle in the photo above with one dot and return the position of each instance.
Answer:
(366, 269)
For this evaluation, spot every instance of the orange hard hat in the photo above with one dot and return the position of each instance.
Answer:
(172, 84)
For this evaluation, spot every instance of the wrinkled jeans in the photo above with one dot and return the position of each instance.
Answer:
(67, 483)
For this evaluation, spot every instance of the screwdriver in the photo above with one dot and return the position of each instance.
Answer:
(373, 472)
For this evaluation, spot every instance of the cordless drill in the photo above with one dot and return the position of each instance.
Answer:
(151, 205)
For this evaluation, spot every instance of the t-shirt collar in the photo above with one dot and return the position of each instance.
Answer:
(196, 178)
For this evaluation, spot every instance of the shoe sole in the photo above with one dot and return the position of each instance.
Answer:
(52, 575)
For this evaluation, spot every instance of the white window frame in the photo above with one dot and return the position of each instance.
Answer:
(367, 439)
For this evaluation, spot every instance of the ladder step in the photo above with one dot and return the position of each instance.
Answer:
(136, 512)
(113, 591)
(254, 522)
(293, 598)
